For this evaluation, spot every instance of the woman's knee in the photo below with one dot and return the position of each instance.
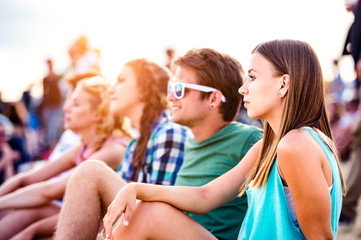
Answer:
(155, 209)
(148, 216)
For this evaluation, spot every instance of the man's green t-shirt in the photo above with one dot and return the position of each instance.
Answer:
(209, 159)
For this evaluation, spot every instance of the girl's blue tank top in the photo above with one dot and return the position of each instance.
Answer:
(268, 216)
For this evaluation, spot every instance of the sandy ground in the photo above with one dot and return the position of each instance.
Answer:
(354, 232)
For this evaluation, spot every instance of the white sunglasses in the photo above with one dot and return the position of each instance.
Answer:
(178, 89)
(93, 81)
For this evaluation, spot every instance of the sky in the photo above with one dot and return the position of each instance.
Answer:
(33, 30)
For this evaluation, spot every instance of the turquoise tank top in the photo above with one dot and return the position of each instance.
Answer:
(268, 216)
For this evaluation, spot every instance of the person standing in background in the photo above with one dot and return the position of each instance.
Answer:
(49, 110)
(349, 206)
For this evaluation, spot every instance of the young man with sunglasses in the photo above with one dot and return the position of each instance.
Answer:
(204, 97)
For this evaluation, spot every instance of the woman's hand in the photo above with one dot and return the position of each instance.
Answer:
(123, 203)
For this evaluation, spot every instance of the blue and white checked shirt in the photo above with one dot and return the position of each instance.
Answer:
(163, 156)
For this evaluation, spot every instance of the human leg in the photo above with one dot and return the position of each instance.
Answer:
(90, 190)
(349, 204)
(43, 228)
(16, 220)
(155, 220)
(3, 213)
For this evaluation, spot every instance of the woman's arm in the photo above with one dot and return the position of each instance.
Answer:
(49, 170)
(112, 154)
(35, 195)
(191, 199)
(305, 169)
(42, 192)
(202, 199)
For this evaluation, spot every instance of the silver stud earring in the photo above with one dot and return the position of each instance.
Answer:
(279, 94)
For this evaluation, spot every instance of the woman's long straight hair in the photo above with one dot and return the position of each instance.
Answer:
(304, 105)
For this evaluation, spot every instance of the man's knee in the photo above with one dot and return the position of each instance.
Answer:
(89, 168)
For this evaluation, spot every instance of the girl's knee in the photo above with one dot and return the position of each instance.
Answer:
(153, 209)
(143, 217)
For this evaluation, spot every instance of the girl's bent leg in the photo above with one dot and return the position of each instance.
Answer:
(155, 220)
(44, 228)
(16, 220)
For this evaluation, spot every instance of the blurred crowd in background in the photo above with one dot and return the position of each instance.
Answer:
(32, 126)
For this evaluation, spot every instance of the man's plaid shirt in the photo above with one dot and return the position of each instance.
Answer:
(163, 156)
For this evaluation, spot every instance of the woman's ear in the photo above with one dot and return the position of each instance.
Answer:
(285, 83)
(97, 116)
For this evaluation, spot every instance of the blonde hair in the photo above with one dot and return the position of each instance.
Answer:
(304, 105)
(100, 100)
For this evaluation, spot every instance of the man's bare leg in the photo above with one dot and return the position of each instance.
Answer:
(90, 190)
(155, 220)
